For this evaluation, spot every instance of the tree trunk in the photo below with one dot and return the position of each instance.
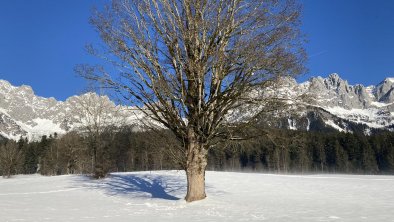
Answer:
(195, 185)
(9, 172)
(195, 170)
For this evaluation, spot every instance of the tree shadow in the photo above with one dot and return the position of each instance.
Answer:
(130, 184)
(138, 185)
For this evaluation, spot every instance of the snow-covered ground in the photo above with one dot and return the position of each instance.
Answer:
(158, 196)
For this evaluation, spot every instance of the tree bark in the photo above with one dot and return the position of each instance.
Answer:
(195, 170)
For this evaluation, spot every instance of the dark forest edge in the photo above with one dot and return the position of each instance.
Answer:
(123, 150)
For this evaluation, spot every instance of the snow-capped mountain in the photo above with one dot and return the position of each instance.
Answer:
(326, 102)
(340, 105)
(22, 113)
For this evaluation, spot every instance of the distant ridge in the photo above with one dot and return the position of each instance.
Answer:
(332, 100)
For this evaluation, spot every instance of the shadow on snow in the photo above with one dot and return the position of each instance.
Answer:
(141, 185)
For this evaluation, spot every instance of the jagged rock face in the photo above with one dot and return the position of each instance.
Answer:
(10, 128)
(22, 113)
(363, 96)
(388, 97)
(334, 91)
(372, 106)
(331, 101)
(322, 103)
(25, 109)
(383, 92)
(22, 105)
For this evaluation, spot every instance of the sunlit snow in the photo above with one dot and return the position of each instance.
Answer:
(390, 79)
(158, 196)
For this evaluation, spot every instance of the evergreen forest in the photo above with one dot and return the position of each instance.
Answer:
(121, 150)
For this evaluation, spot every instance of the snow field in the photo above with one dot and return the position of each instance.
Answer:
(158, 196)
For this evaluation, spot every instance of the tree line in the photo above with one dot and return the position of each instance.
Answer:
(287, 151)
(283, 151)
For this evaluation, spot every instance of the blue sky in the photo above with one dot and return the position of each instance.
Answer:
(42, 40)
(354, 38)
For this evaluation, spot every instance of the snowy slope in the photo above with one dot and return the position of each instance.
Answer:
(157, 196)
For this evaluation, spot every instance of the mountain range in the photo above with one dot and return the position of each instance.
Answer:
(331, 104)
(341, 106)
(24, 114)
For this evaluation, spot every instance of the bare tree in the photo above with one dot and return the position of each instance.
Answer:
(188, 63)
(11, 158)
(95, 115)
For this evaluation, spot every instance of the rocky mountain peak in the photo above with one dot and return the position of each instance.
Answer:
(334, 91)
(5, 86)
(383, 90)
(334, 78)
(22, 113)
(333, 81)
(27, 89)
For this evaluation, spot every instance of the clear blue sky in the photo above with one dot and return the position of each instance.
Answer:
(42, 40)
(354, 38)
